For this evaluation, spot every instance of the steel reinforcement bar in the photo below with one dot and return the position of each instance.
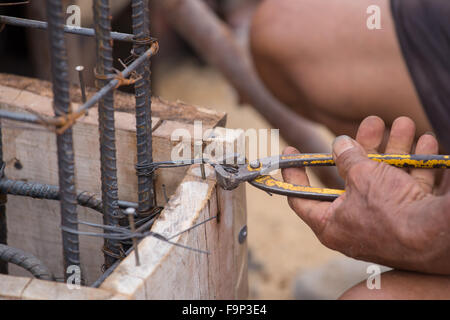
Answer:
(34, 24)
(112, 84)
(108, 160)
(61, 105)
(141, 30)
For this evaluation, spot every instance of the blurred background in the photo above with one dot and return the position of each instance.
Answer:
(286, 260)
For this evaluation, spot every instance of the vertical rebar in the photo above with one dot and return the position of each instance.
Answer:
(141, 31)
(3, 198)
(102, 26)
(61, 105)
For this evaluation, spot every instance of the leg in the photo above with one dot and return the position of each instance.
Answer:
(402, 285)
(319, 57)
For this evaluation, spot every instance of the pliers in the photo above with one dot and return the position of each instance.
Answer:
(229, 176)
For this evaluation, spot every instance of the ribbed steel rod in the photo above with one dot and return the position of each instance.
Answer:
(32, 118)
(44, 191)
(22, 117)
(3, 198)
(61, 105)
(19, 22)
(102, 26)
(141, 31)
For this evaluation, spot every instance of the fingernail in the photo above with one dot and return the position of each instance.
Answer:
(431, 133)
(342, 144)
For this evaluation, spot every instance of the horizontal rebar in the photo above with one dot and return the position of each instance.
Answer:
(23, 117)
(49, 192)
(25, 260)
(38, 119)
(42, 25)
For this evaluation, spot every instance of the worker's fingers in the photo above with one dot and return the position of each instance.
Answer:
(298, 175)
(347, 154)
(401, 137)
(371, 133)
(311, 211)
(427, 144)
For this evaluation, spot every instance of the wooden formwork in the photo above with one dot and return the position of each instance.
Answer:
(166, 271)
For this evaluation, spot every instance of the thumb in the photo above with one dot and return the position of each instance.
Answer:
(347, 153)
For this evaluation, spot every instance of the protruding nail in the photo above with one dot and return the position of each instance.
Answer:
(131, 212)
(80, 70)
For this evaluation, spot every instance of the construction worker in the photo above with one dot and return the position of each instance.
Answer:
(320, 58)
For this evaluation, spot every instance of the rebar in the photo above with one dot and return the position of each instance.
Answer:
(141, 31)
(34, 24)
(25, 260)
(3, 199)
(44, 191)
(112, 84)
(102, 26)
(61, 105)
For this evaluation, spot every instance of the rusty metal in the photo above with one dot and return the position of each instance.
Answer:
(141, 31)
(61, 105)
(62, 121)
(27, 23)
(102, 26)
(44, 191)
(108, 79)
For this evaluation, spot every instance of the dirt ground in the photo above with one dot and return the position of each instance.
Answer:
(281, 245)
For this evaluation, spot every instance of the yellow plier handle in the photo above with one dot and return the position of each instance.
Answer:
(256, 172)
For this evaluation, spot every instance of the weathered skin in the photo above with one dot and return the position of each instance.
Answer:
(387, 215)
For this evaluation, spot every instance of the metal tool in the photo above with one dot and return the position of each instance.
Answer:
(256, 172)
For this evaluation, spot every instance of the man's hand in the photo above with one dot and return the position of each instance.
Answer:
(387, 215)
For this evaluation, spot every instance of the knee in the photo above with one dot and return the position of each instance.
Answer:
(261, 32)
(402, 285)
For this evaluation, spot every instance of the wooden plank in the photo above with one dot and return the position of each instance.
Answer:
(125, 102)
(170, 272)
(46, 290)
(11, 288)
(166, 271)
(36, 152)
